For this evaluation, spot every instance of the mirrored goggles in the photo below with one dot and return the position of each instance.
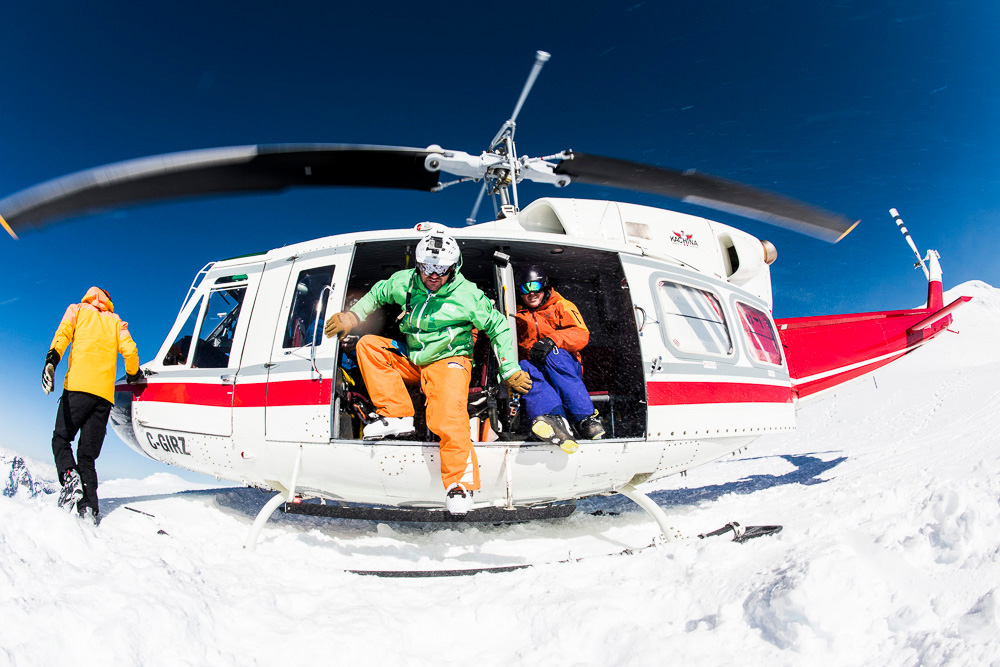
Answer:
(530, 287)
(434, 269)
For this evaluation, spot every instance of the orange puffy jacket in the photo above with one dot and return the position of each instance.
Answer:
(98, 336)
(557, 318)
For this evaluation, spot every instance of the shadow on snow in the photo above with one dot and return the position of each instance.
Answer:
(807, 470)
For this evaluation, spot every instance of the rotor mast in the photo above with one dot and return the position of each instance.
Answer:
(505, 174)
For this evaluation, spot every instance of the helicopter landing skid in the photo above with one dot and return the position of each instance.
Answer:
(668, 532)
(424, 515)
(486, 514)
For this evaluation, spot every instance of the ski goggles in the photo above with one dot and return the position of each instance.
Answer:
(530, 287)
(434, 269)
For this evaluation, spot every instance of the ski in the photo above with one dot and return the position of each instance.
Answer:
(739, 534)
(160, 531)
(742, 534)
(495, 569)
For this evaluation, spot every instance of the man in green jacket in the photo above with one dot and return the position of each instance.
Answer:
(440, 310)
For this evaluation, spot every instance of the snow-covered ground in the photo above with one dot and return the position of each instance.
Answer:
(888, 492)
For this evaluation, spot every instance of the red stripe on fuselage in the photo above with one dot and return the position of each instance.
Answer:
(317, 392)
(692, 393)
(299, 392)
(249, 395)
(189, 393)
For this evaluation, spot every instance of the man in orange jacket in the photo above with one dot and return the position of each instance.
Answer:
(98, 337)
(550, 335)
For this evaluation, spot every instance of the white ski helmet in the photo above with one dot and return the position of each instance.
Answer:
(437, 252)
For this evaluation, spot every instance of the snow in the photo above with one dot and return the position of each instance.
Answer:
(888, 491)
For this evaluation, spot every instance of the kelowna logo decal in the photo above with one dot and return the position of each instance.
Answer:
(683, 238)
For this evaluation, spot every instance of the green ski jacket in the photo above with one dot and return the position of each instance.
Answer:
(439, 324)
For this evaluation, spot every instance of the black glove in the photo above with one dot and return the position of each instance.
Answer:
(540, 350)
(49, 371)
(134, 378)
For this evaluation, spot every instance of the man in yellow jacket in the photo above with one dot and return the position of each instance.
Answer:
(98, 337)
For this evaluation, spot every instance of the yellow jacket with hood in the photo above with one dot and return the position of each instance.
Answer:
(98, 337)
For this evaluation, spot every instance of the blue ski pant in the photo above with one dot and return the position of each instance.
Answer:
(557, 388)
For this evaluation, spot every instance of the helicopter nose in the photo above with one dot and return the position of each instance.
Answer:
(121, 414)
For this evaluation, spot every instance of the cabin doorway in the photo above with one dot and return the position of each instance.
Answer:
(592, 279)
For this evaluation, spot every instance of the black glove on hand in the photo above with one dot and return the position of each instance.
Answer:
(133, 378)
(49, 371)
(540, 350)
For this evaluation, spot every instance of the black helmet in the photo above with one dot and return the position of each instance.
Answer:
(532, 279)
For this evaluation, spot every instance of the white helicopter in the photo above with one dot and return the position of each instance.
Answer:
(685, 361)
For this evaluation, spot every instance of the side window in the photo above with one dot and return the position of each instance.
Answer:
(305, 317)
(694, 320)
(215, 338)
(177, 354)
(764, 343)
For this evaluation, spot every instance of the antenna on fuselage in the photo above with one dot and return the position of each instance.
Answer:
(503, 146)
(906, 235)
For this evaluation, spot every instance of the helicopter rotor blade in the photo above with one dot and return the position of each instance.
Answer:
(253, 168)
(709, 191)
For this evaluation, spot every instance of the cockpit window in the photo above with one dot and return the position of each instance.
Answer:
(177, 353)
(215, 338)
(694, 320)
(305, 318)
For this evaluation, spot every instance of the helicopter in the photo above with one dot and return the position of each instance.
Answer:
(686, 362)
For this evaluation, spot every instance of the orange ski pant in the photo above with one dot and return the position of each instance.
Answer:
(445, 383)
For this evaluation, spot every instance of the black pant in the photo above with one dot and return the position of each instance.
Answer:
(87, 414)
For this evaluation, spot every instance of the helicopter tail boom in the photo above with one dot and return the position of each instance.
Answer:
(826, 351)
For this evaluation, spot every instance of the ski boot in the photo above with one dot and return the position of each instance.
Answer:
(72, 490)
(385, 427)
(590, 428)
(556, 430)
(457, 499)
(88, 516)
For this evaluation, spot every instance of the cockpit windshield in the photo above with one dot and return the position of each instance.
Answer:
(218, 328)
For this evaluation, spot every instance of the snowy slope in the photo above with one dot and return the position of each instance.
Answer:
(888, 492)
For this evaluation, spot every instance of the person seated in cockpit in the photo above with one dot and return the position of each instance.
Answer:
(550, 335)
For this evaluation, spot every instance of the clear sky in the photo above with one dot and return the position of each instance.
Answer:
(853, 106)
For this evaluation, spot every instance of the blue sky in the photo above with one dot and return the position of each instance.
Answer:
(853, 106)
